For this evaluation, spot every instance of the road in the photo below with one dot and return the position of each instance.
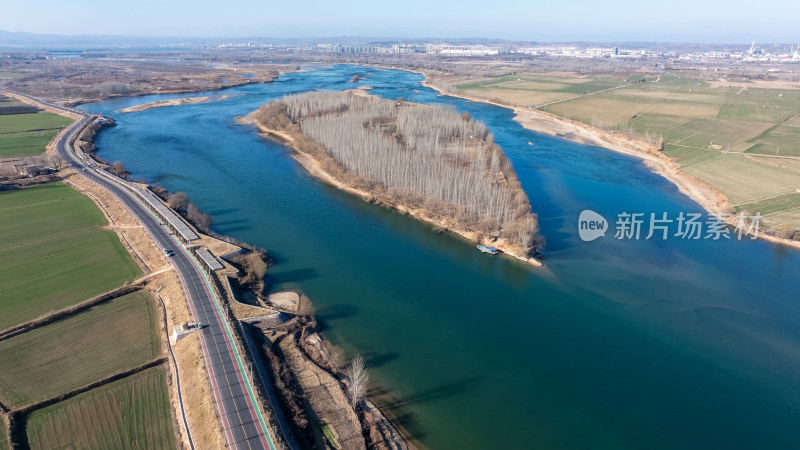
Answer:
(242, 421)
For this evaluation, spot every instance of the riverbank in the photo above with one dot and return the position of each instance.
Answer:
(707, 196)
(314, 168)
(173, 102)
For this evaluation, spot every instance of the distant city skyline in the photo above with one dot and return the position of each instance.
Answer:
(714, 21)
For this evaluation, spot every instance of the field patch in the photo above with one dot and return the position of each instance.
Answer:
(537, 89)
(703, 133)
(745, 180)
(759, 105)
(521, 97)
(3, 436)
(687, 156)
(30, 143)
(781, 213)
(130, 413)
(28, 134)
(34, 121)
(53, 253)
(65, 355)
(615, 110)
(783, 140)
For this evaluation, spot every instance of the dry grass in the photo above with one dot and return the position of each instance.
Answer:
(196, 389)
(198, 398)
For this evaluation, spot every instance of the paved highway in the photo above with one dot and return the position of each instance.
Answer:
(243, 423)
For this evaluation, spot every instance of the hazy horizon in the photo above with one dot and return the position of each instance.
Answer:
(680, 21)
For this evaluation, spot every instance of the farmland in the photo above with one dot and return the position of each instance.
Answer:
(129, 413)
(3, 437)
(78, 350)
(28, 134)
(537, 89)
(54, 254)
(710, 129)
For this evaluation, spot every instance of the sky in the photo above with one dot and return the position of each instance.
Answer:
(710, 21)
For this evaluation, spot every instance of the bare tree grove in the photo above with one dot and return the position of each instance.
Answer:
(419, 155)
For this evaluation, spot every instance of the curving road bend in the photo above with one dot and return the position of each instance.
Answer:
(242, 420)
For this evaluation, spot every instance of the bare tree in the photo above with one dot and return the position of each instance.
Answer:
(255, 266)
(305, 307)
(179, 201)
(359, 378)
(118, 169)
(200, 220)
(417, 155)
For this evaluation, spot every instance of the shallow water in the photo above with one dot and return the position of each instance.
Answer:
(615, 344)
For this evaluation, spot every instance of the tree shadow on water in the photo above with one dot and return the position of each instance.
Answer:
(222, 212)
(236, 228)
(336, 312)
(442, 391)
(397, 409)
(225, 223)
(373, 359)
(293, 276)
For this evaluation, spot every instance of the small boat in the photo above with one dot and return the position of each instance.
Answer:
(489, 250)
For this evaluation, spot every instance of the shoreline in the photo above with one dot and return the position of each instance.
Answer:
(707, 196)
(172, 91)
(312, 166)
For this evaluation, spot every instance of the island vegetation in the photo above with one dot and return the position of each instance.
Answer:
(429, 161)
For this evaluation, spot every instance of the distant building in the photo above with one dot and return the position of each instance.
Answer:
(461, 50)
(338, 48)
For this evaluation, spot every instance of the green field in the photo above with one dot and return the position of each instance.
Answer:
(3, 436)
(705, 127)
(76, 351)
(28, 134)
(54, 254)
(126, 414)
(537, 89)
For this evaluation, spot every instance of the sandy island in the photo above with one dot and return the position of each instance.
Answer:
(313, 167)
(172, 102)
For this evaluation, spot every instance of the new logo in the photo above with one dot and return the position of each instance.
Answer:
(591, 225)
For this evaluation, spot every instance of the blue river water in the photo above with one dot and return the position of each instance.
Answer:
(616, 343)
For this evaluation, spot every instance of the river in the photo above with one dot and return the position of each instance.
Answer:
(616, 343)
